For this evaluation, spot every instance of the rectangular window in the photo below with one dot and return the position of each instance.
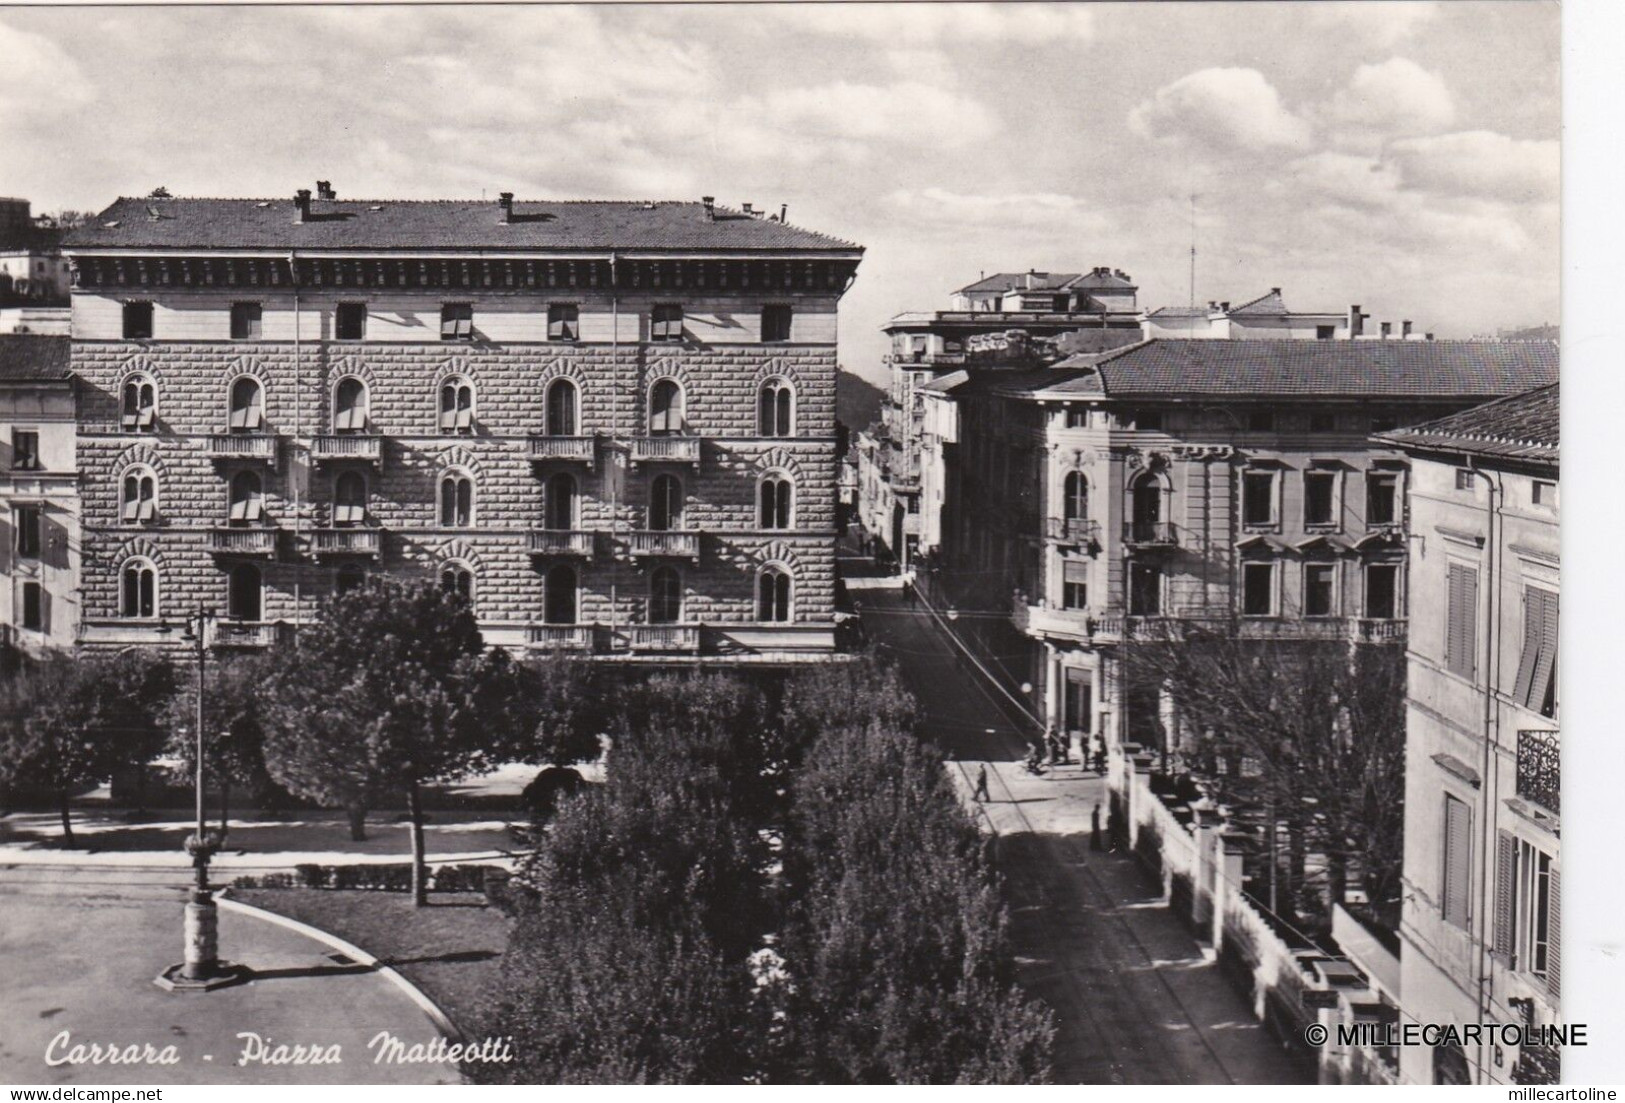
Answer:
(1077, 419)
(1319, 589)
(1461, 627)
(1536, 684)
(1464, 479)
(350, 323)
(137, 321)
(1458, 853)
(1258, 498)
(457, 322)
(666, 322)
(25, 450)
(1382, 591)
(1325, 333)
(1381, 499)
(1261, 421)
(1542, 494)
(33, 607)
(1149, 420)
(1145, 590)
(28, 531)
(1383, 424)
(1322, 423)
(1257, 589)
(563, 322)
(776, 322)
(1319, 497)
(245, 321)
(1534, 911)
(1074, 584)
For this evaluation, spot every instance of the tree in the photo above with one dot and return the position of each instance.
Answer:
(234, 727)
(569, 710)
(72, 719)
(392, 689)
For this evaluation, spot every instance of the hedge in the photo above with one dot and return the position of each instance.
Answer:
(391, 877)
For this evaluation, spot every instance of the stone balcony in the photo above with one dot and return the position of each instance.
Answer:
(253, 447)
(663, 637)
(1150, 534)
(576, 542)
(560, 637)
(681, 545)
(1098, 626)
(351, 447)
(672, 449)
(328, 542)
(1075, 531)
(258, 542)
(564, 449)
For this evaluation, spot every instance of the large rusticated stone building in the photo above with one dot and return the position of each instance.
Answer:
(610, 424)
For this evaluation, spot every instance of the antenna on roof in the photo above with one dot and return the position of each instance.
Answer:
(1193, 252)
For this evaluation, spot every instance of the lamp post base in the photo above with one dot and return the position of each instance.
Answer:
(174, 979)
(202, 970)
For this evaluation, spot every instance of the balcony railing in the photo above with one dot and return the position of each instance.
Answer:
(561, 637)
(346, 541)
(1540, 768)
(682, 544)
(664, 637)
(244, 634)
(1178, 627)
(560, 542)
(572, 449)
(243, 541)
(358, 447)
(260, 447)
(1072, 530)
(1149, 534)
(665, 449)
(1381, 629)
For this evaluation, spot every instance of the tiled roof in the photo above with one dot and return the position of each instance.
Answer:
(1017, 281)
(33, 356)
(35, 239)
(435, 224)
(1268, 303)
(943, 384)
(1101, 277)
(1524, 426)
(1178, 312)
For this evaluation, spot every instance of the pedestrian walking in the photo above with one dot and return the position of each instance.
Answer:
(1100, 755)
(981, 795)
(1094, 828)
(1053, 743)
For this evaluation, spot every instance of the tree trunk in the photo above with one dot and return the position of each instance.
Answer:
(420, 872)
(357, 811)
(225, 807)
(67, 818)
(1297, 856)
(1337, 877)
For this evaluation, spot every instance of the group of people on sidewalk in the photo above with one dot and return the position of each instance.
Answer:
(1058, 749)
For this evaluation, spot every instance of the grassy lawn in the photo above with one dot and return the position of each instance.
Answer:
(451, 949)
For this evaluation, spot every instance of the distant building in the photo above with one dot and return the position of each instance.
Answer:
(1267, 317)
(39, 481)
(1481, 924)
(611, 425)
(33, 271)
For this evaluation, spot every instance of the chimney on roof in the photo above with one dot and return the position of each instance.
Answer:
(1405, 328)
(301, 199)
(1356, 321)
(1120, 274)
(749, 211)
(505, 201)
(324, 190)
(784, 211)
(1225, 306)
(1387, 330)
(710, 202)
(1430, 337)
(1275, 291)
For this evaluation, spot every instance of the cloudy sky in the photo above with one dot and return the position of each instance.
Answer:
(1402, 155)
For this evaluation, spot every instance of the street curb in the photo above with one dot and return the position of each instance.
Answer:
(413, 992)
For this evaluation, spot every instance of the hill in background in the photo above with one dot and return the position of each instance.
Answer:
(857, 401)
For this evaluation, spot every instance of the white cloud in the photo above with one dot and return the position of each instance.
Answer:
(1378, 24)
(930, 23)
(1346, 178)
(1394, 98)
(1220, 109)
(1480, 163)
(41, 80)
(954, 210)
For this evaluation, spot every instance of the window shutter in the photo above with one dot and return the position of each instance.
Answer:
(448, 407)
(1554, 938)
(148, 500)
(1530, 658)
(1075, 571)
(1506, 872)
(146, 402)
(256, 506)
(1540, 686)
(1460, 642)
(1457, 854)
(465, 407)
(132, 498)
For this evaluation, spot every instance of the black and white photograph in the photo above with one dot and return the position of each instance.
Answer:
(794, 544)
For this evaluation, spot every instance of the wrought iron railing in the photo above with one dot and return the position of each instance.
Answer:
(1540, 768)
(1075, 530)
(1149, 533)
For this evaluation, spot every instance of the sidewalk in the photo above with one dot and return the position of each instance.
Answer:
(83, 963)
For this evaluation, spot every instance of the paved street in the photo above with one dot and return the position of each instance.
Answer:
(1138, 1002)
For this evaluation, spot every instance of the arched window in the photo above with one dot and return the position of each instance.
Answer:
(247, 499)
(1075, 496)
(665, 596)
(350, 499)
(561, 408)
(774, 500)
(456, 500)
(774, 409)
(773, 596)
(560, 604)
(350, 406)
(456, 578)
(666, 408)
(138, 589)
(1149, 508)
(561, 502)
(247, 405)
(139, 412)
(243, 592)
(457, 406)
(138, 500)
(351, 576)
(665, 503)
